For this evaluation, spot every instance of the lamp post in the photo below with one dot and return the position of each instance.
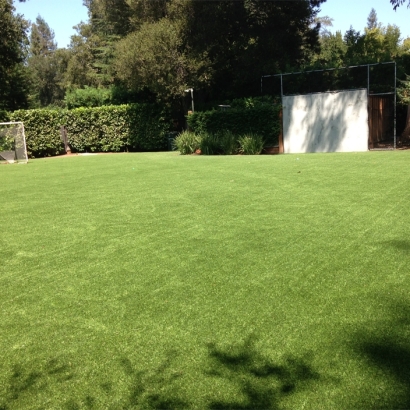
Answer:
(192, 96)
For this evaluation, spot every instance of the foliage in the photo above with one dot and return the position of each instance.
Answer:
(332, 51)
(262, 119)
(404, 98)
(403, 91)
(80, 71)
(153, 58)
(187, 142)
(397, 3)
(42, 129)
(222, 47)
(210, 144)
(139, 127)
(223, 142)
(251, 144)
(46, 66)
(246, 39)
(228, 142)
(13, 41)
(87, 97)
(4, 116)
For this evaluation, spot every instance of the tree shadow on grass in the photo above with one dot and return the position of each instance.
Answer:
(261, 384)
(400, 244)
(153, 389)
(32, 378)
(254, 380)
(387, 348)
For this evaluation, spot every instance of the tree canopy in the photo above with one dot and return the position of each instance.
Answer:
(397, 3)
(13, 47)
(144, 50)
(223, 45)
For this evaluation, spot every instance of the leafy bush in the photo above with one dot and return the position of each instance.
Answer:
(261, 118)
(4, 116)
(88, 97)
(137, 127)
(42, 129)
(252, 102)
(251, 144)
(187, 142)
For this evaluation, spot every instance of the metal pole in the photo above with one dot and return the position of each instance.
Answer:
(368, 81)
(192, 98)
(395, 98)
(281, 87)
(262, 85)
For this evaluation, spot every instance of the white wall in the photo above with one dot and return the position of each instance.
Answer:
(326, 122)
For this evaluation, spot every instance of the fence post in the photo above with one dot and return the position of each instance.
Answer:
(281, 131)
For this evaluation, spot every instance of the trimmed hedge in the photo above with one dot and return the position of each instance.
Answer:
(261, 119)
(135, 127)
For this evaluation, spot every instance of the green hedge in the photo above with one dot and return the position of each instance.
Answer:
(262, 119)
(136, 127)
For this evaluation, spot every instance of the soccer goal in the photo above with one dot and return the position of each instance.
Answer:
(12, 142)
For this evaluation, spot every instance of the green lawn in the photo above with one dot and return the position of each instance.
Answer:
(241, 282)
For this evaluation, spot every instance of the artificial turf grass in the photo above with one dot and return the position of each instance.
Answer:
(123, 271)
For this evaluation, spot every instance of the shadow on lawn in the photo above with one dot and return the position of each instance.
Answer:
(254, 381)
(26, 381)
(387, 348)
(261, 384)
(154, 389)
(402, 245)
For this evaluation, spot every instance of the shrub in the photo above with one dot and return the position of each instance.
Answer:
(257, 118)
(187, 142)
(228, 142)
(138, 127)
(88, 97)
(210, 144)
(4, 116)
(42, 129)
(251, 144)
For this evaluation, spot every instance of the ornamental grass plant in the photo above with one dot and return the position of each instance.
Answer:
(187, 142)
(250, 144)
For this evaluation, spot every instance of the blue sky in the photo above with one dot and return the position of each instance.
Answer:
(62, 15)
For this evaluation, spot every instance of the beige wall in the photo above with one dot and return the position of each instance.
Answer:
(326, 122)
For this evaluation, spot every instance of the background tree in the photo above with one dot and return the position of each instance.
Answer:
(226, 44)
(154, 58)
(46, 65)
(13, 46)
(397, 3)
(372, 19)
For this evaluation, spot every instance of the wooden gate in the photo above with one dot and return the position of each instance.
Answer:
(381, 121)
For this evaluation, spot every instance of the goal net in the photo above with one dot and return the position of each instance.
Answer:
(12, 142)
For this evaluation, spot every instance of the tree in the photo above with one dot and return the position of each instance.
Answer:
(372, 19)
(325, 22)
(13, 43)
(247, 39)
(237, 41)
(45, 64)
(397, 3)
(154, 58)
(404, 98)
(332, 51)
(80, 70)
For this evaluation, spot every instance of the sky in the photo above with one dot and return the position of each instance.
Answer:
(62, 15)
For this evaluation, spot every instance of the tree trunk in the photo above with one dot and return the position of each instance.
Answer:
(405, 136)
